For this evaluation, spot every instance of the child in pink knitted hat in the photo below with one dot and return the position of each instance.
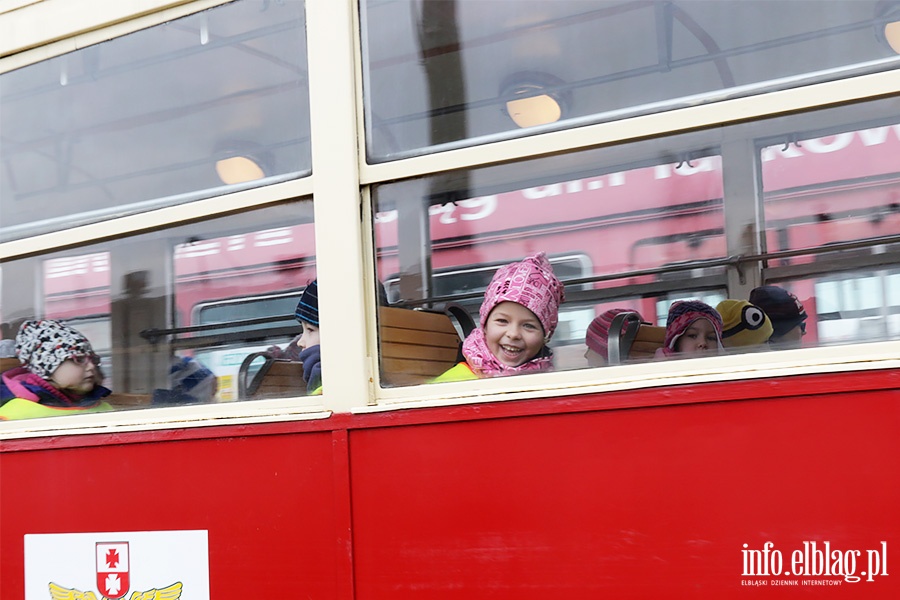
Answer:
(518, 316)
(692, 328)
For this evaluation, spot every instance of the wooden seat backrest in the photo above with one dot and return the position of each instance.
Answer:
(276, 378)
(648, 340)
(123, 401)
(416, 345)
(630, 339)
(9, 363)
(284, 378)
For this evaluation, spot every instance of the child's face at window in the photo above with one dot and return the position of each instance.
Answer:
(699, 337)
(77, 375)
(513, 334)
(310, 336)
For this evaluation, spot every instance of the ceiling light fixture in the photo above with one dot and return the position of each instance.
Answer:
(887, 27)
(240, 162)
(532, 99)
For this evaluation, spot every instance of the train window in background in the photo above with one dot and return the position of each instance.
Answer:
(859, 307)
(832, 213)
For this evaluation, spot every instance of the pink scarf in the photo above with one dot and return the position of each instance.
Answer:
(484, 364)
(15, 380)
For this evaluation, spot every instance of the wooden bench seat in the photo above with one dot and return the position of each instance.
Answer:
(632, 340)
(647, 341)
(276, 378)
(128, 401)
(9, 363)
(416, 345)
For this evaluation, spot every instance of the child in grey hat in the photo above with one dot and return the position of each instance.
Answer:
(60, 374)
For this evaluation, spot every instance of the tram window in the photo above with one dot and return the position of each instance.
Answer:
(159, 117)
(835, 194)
(215, 292)
(226, 362)
(862, 307)
(605, 226)
(443, 73)
(820, 208)
(254, 307)
(837, 187)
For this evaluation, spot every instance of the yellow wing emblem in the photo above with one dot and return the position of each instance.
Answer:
(173, 592)
(58, 592)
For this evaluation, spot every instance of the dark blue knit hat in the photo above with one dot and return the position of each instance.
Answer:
(308, 307)
(783, 308)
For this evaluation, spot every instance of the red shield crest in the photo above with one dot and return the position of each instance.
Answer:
(112, 569)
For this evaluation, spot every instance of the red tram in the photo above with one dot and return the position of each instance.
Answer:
(697, 150)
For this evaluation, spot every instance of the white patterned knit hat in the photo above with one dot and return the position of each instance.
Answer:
(44, 345)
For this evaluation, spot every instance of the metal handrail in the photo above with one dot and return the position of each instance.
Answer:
(153, 335)
(736, 261)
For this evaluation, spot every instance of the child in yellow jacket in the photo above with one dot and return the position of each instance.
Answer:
(518, 316)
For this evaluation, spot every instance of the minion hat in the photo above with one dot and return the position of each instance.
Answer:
(44, 345)
(308, 307)
(744, 324)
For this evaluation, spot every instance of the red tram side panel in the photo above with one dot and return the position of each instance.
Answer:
(715, 490)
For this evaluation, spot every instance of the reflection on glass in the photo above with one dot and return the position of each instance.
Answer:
(642, 225)
(213, 292)
(838, 190)
(441, 72)
(146, 120)
(607, 232)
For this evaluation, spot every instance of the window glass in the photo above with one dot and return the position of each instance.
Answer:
(443, 73)
(609, 229)
(208, 103)
(858, 306)
(213, 292)
(798, 214)
(831, 209)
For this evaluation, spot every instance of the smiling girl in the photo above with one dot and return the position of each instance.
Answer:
(519, 314)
